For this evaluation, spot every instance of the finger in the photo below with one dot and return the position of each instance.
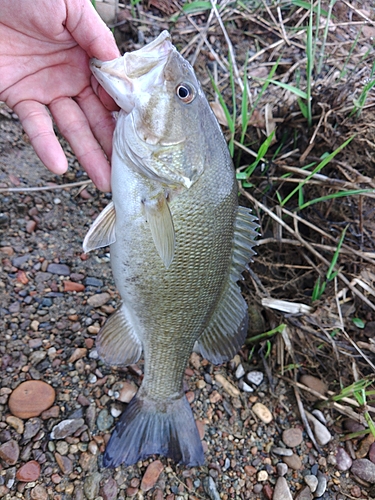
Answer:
(105, 98)
(90, 32)
(100, 119)
(74, 126)
(37, 124)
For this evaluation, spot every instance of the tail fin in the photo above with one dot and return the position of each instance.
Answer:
(147, 427)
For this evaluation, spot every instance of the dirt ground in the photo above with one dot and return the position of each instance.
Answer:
(47, 331)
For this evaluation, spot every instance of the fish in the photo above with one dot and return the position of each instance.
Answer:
(179, 242)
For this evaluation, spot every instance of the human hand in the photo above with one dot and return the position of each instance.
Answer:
(45, 48)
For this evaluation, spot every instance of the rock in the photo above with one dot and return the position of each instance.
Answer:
(98, 299)
(304, 494)
(31, 398)
(30, 226)
(292, 437)
(282, 469)
(109, 490)
(210, 488)
(151, 475)
(66, 428)
(215, 397)
(282, 452)
(104, 420)
(71, 286)
(322, 485)
(52, 412)
(364, 469)
(268, 491)
(282, 491)
(311, 481)
(371, 453)
(315, 384)
(343, 460)
(262, 412)
(351, 425)
(244, 386)
(62, 447)
(90, 281)
(64, 463)
(321, 433)
(255, 377)
(250, 470)
(294, 462)
(91, 486)
(28, 472)
(227, 386)
(39, 493)
(16, 423)
(61, 269)
(9, 452)
(240, 372)
(78, 353)
(320, 416)
(262, 476)
(364, 446)
(32, 428)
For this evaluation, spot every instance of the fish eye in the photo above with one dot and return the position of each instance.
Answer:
(185, 92)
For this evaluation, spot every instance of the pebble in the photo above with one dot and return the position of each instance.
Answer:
(109, 490)
(227, 386)
(268, 491)
(210, 488)
(294, 461)
(262, 412)
(315, 384)
(52, 412)
(91, 485)
(32, 428)
(9, 452)
(292, 437)
(104, 420)
(62, 447)
(31, 398)
(283, 452)
(352, 425)
(282, 491)
(65, 464)
(364, 469)
(311, 481)
(98, 299)
(364, 446)
(322, 485)
(61, 269)
(371, 453)
(71, 286)
(255, 377)
(91, 281)
(240, 372)
(320, 416)
(30, 471)
(151, 475)
(321, 433)
(304, 494)
(16, 423)
(343, 460)
(262, 476)
(78, 353)
(66, 428)
(39, 493)
(282, 469)
(244, 386)
(30, 226)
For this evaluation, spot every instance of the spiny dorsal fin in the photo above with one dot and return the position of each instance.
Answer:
(245, 234)
(159, 218)
(102, 232)
(117, 343)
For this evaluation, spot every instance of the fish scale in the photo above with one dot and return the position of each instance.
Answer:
(178, 243)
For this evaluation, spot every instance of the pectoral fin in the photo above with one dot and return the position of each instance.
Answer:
(102, 231)
(159, 218)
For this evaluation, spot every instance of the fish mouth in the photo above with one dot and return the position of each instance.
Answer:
(125, 76)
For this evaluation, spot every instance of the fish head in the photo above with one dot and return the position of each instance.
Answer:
(158, 90)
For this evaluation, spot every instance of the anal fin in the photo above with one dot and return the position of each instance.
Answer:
(102, 231)
(117, 343)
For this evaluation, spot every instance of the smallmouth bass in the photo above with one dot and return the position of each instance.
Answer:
(178, 242)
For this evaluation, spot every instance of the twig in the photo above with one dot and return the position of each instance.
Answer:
(45, 188)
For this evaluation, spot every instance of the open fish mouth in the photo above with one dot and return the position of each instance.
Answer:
(134, 72)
